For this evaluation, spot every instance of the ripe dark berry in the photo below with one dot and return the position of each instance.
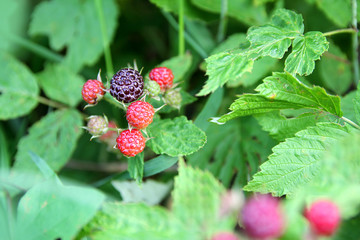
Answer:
(324, 217)
(127, 85)
(140, 114)
(262, 217)
(163, 76)
(130, 143)
(225, 236)
(97, 125)
(92, 91)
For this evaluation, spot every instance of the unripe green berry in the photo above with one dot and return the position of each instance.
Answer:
(152, 88)
(97, 125)
(173, 98)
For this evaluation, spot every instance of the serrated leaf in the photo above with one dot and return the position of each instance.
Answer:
(249, 104)
(335, 70)
(18, 88)
(136, 167)
(150, 191)
(274, 39)
(196, 201)
(61, 84)
(236, 40)
(285, 87)
(297, 160)
(177, 137)
(224, 66)
(136, 222)
(53, 139)
(74, 24)
(280, 127)
(306, 50)
(51, 211)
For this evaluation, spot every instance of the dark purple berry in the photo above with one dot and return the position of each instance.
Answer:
(127, 85)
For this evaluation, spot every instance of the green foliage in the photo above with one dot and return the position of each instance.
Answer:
(18, 88)
(61, 84)
(338, 11)
(79, 31)
(177, 137)
(136, 167)
(297, 160)
(50, 211)
(194, 214)
(53, 139)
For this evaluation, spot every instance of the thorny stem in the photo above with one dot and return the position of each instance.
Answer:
(181, 28)
(355, 42)
(350, 122)
(223, 21)
(106, 42)
(339, 31)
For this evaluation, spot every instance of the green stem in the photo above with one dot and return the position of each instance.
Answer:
(350, 122)
(50, 102)
(223, 21)
(36, 48)
(339, 31)
(114, 102)
(355, 42)
(106, 42)
(188, 38)
(181, 28)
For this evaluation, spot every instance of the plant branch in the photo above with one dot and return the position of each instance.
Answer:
(355, 42)
(187, 37)
(223, 21)
(350, 122)
(181, 28)
(105, 39)
(337, 58)
(339, 31)
(50, 103)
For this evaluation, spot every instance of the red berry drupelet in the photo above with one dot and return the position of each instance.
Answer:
(225, 236)
(127, 85)
(324, 217)
(140, 114)
(262, 217)
(130, 143)
(163, 76)
(92, 91)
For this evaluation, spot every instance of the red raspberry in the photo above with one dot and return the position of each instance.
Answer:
(324, 217)
(262, 217)
(163, 76)
(225, 236)
(140, 114)
(92, 91)
(131, 142)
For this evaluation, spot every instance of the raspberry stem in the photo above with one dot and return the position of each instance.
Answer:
(111, 100)
(181, 28)
(50, 103)
(338, 31)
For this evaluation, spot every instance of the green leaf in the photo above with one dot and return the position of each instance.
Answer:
(18, 88)
(280, 127)
(6, 216)
(51, 211)
(44, 168)
(274, 39)
(249, 104)
(150, 192)
(5, 159)
(260, 69)
(175, 137)
(285, 87)
(349, 229)
(233, 41)
(306, 50)
(347, 105)
(61, 84)
(297, 160)
(74, 24)
(338, 11)
(244, 11)
(136, 167)
(224, 66)
(136, 222)
(53, 139)
(356, 102)
(196, 201)
(335, 70)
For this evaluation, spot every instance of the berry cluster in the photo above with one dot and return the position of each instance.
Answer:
(127, 86)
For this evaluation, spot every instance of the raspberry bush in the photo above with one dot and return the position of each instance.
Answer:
(164, 119)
